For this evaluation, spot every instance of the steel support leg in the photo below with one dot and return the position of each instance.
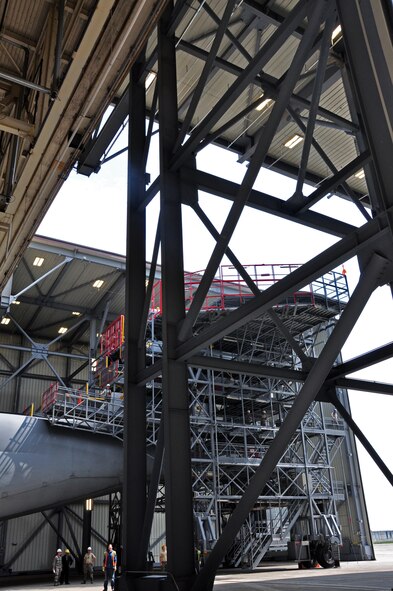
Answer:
(177, 462)
(134, 484)
(86, 531)
(312, 385)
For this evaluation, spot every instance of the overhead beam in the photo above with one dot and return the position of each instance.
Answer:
(17, 127)
(357, 363)
(264, 202)
(364, 386)
(250, 369)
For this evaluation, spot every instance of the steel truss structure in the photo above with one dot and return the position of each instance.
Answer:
(234, 417)
(334, 91)
(185, 128)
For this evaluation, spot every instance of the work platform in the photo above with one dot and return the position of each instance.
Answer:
(351, 576)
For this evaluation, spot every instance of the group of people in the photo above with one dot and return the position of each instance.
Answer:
(61, 566)
(63, 561)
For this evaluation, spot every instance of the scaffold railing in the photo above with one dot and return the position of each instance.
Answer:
(77, 409)
(229, 289)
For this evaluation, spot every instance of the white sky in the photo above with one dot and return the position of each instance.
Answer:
(92, 211)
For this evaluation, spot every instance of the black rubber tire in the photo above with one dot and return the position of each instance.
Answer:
(324, 557)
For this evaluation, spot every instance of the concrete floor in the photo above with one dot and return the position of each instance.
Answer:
(351, 576)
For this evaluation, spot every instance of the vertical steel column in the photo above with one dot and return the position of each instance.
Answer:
(177, 461)
(3, 540)
(134, 483)
(92, 346)
(311, 387)
(86, 529)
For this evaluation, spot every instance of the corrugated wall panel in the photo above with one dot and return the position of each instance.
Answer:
(36, 554)
(39, 546)
(157, 537)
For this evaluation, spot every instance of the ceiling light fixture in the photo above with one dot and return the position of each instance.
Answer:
(336, 35)
(62, 330)
(293, 141)
(98, 283)
(38, 261)
(360, 174)
(76, 313)
(5, 320)
(263, 104)
(150, 79)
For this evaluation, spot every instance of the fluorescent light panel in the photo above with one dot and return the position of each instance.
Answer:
(38, 261)
(62, 330)
(150, 79)
(293, 141)
(337, 34)
(98, 283)
(263, 104)
(360, 174)
(5, 320)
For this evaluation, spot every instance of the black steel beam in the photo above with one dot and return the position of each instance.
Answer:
(370, 358)
(264, 202)
(177, 461)
(134, 438)
(364, 385)
(250, 369)
(330, 184)
(90, 158)
(346, 189)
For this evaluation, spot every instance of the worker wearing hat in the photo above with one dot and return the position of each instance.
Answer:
(67, 562)
(89, 561)
(109, 566)
(57, 566)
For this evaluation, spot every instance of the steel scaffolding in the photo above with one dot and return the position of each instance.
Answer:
(234, 416)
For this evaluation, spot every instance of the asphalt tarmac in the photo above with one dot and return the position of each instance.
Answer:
(375, 575)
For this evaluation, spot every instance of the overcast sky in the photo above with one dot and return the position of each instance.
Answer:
(259, 238)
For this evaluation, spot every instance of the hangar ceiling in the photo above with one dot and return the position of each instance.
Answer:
(62, 63)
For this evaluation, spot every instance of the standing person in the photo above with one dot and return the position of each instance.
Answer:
(66, 561)
(109, 567)
(334, 416)
(89, 561)
(57, 566)
(163, 557)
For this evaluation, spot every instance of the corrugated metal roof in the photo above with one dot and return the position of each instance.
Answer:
(252, 25)
(47, 305)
